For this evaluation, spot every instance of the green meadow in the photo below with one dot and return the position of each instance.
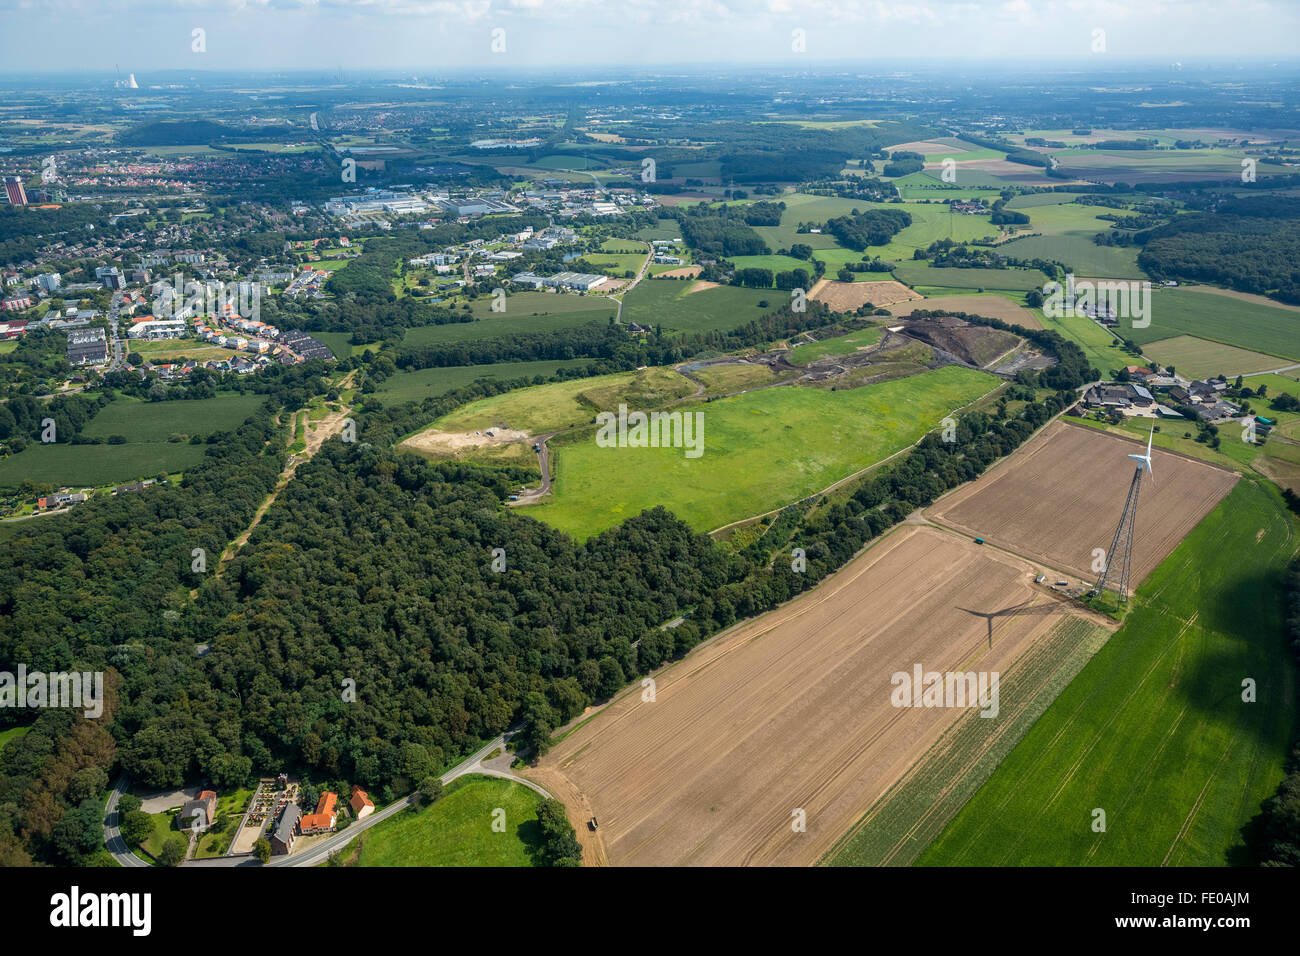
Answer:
(671, 304)
(1080, 254)
(1154, 730)
(1199, 358)
(146, 426)
(141, 421)
(762, 450)
(839, 345)
(525, 312)
(410, 386)
(1220, 318)
(1013, 280)
(84, 466)
(543, 408)
(457, 829)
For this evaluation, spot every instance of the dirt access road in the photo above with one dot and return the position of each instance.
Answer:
(318, 432)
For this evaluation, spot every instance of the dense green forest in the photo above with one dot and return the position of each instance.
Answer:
(875, 227)
(1250, 244)
(720, 231)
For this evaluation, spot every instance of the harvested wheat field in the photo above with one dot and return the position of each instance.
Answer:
(1061, 495)
(791, 711)
(849, 296)
(989, 306)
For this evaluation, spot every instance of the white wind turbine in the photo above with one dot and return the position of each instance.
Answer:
(1120, 556)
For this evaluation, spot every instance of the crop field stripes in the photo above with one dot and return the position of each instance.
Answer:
(1099, 736)
(914, 811)
(1191, 815)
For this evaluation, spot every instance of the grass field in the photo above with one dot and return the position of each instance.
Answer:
(663, 229)
(1080, 254)
(84, 466)
(762, 450)
(1098, 343)
(1154, 165)
(839, 345)
(164, 826)
(720, 379)
(1013, 280)
(409, 386)
(525, 312)
(340, 343)
(1153, 730)
(457, 829)
(616, 263)
(1288, 423)
(1247, 325)
(1199, 358)
(776, 263)
(543, 408)
(156, 421)
(671, 304)
(929, 222)
(12, 733)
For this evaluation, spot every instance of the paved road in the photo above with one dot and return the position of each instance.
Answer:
(544, 463)
(112, 834)
(117, 360)
(645, 266)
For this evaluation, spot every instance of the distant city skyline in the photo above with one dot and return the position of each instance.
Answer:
(144, 36)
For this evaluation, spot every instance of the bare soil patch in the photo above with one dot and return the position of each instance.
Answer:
(791, 711)
(436, 442)
(1061, 495)
(685, 272)
(927, 147)
(850, 296)
(701, 285)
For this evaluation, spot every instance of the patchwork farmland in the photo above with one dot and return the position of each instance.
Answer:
(791, 711)
(1061, 495)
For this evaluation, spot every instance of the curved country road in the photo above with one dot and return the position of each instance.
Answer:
(321, 851)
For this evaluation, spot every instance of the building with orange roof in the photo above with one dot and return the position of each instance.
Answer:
(361, 804)
(200, 813)
(324, 818)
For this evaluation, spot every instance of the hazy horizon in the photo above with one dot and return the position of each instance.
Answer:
(153, 36)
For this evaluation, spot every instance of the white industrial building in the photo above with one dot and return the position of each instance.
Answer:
(157, 329)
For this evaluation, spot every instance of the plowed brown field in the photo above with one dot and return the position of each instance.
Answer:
(1061, 495)
(792, 710)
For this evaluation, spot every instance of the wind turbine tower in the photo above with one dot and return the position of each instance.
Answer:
(1120, 556)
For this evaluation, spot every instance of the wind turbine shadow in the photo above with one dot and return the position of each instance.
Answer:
(1024, 607)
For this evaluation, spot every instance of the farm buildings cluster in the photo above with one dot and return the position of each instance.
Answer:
(1162, 394)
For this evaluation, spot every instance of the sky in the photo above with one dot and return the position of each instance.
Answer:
(428, 36)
